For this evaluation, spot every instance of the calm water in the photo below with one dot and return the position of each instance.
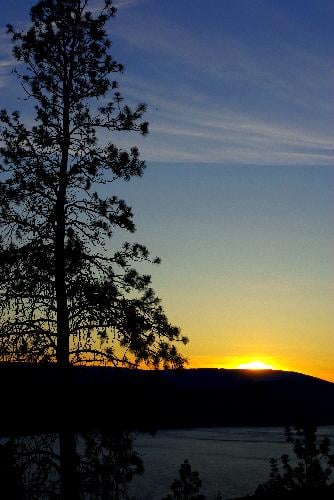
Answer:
(232, 461)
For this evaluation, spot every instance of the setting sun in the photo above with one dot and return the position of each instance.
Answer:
(255, 365)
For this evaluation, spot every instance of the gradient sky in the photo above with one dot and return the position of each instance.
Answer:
(238, 197)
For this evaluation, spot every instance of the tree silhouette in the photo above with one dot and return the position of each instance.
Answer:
(187, 486)
(310, 472)
(31, 467)
(64, 296)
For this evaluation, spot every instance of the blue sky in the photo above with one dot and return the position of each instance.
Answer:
(232, 81)
(238, 193)
(229, 81)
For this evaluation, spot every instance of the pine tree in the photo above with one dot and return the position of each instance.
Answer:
(187, 486)
(63, 296)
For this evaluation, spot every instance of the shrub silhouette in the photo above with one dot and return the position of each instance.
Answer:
(188, 486)
(311, 473)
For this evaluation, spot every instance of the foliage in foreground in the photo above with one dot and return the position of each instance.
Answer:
(104, 464)
(308, 472)
(65, 294)
(187, 486)
(306, 476)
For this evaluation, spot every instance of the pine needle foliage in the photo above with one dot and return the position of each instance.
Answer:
(64, 297)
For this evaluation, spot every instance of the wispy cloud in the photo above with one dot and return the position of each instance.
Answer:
(213, 98)
(162, 151)
(6, 59)
(121, 4)
(188, 127)
(96, 5)
(282, 71)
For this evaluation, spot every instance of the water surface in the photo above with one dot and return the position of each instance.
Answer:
(232, 461)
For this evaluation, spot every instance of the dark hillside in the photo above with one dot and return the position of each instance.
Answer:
(37, 397)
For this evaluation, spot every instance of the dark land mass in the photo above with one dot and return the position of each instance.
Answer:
(42, 398)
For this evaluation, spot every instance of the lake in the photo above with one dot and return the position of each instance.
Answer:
(232, 461)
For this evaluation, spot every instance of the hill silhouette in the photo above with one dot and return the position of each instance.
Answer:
(104, 397)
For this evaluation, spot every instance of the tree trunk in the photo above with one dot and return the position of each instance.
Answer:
(69, 473)
(63, 333)
(63, 330)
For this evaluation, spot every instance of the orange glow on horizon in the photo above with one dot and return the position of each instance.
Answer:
(235, 362)
(255, 365)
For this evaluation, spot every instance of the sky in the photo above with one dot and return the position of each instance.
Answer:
(237, 197)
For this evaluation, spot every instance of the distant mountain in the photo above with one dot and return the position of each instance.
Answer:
(37, 397)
